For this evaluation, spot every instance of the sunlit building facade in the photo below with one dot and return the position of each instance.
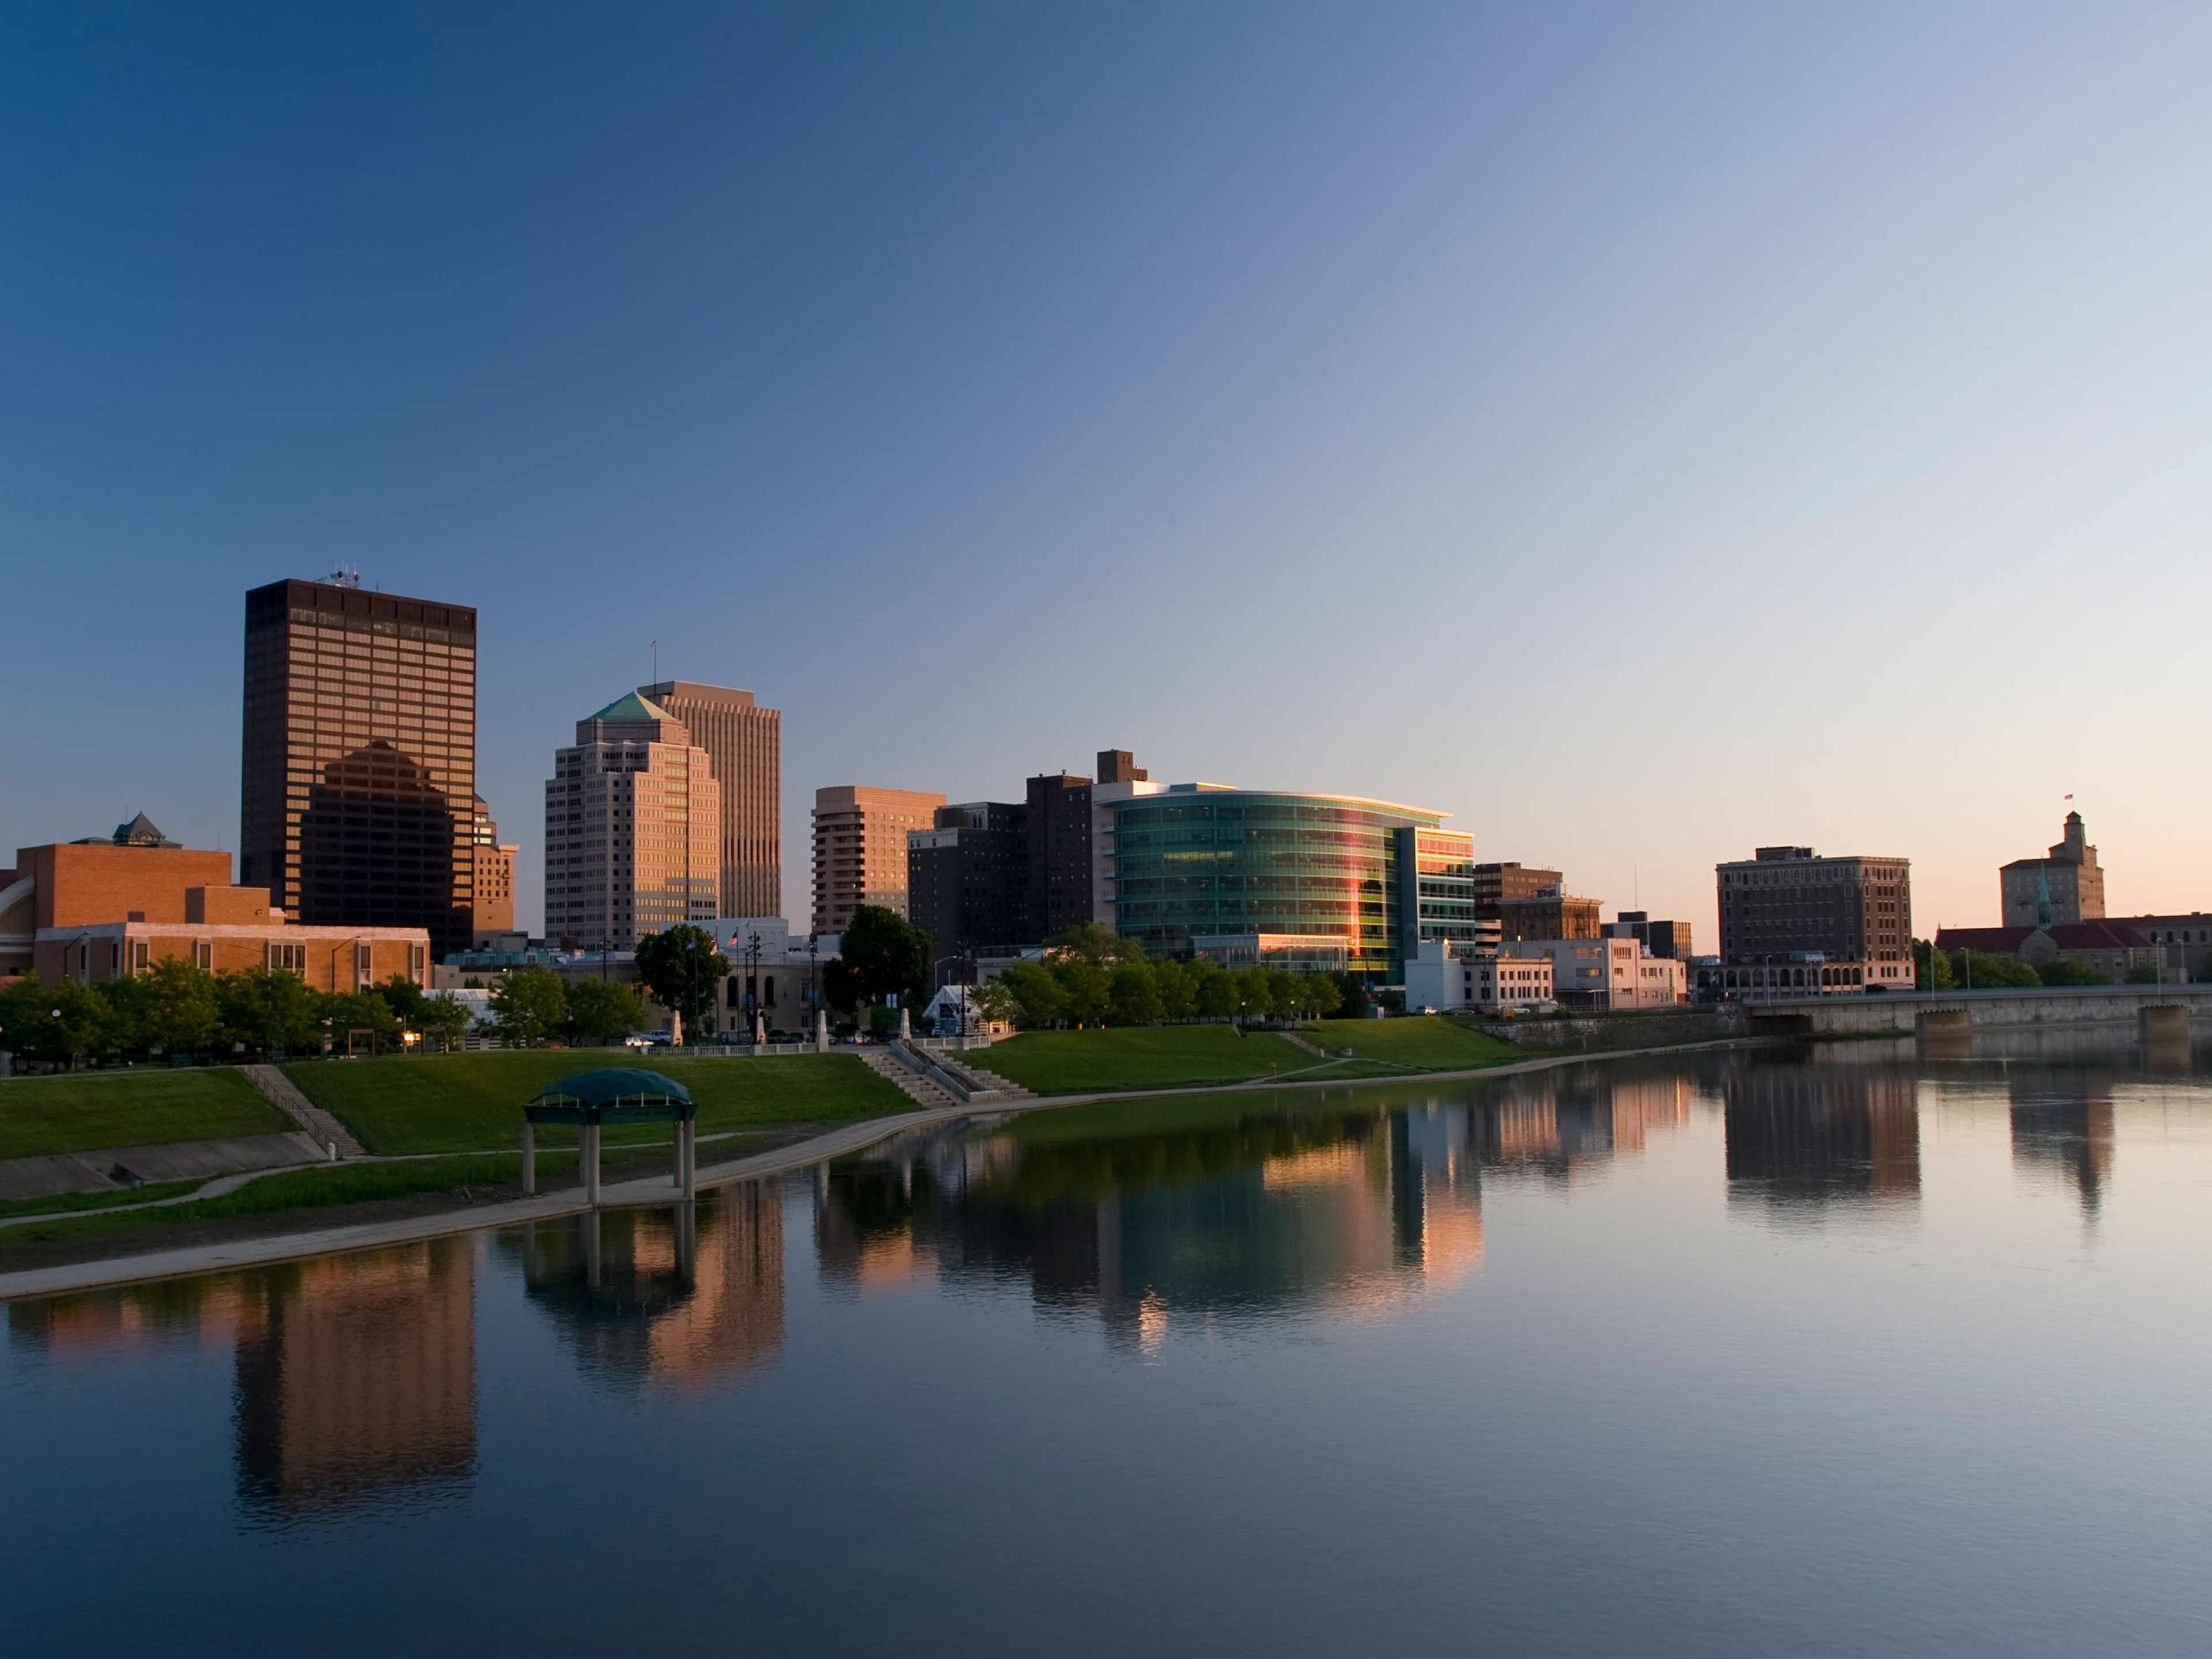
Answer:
(1199, 862)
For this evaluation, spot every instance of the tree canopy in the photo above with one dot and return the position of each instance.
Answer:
(684, 972)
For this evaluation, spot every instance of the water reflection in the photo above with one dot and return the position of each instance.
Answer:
(691, 1296)
(2062, 1126)
(1800, 1136)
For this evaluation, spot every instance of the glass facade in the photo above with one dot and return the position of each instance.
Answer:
(1438, 867)
(1233, 861)
(359, 781)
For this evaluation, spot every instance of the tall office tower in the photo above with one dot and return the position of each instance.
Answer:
(967, 880)
(633, 829)
(745, 743)
(1061, 879)
(359, 775)
(494, 888)
(1855, 912)
(859, 848)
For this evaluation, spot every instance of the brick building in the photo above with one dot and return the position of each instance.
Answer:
(1847, 920)
(860, 850)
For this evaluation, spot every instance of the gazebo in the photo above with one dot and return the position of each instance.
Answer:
(615, 1095)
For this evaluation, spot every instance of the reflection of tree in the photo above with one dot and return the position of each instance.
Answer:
(380, 845)
(686, 1296)
(1799, 1134)
(2063, 1125)
(356, 1379)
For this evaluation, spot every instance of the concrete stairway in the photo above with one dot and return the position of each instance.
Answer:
(1004, 1085)
(923, 1091)
(287, 1099)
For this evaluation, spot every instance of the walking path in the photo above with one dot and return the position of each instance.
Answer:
(110, 1169)
(656, 1190)
(285, 1095)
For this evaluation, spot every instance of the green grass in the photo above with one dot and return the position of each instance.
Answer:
(57, 1201)
(1142, 1057)
(468, 1103)
(292, 1189)
(79, 1111)
(1428, 1042)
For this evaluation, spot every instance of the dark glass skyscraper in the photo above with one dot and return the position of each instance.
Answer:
(359, 777)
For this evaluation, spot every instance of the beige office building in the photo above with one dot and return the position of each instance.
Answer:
(859, 848)
(745, 744)
(633, 829)
(494, 886)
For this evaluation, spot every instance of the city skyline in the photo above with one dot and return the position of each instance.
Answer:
(1759, 404)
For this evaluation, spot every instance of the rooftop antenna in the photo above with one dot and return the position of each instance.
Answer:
(656, 662)
(344, 575)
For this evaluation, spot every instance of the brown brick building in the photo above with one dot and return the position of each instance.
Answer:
(1854, 913)
(859, 848)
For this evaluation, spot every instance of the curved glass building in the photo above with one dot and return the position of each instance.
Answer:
(1193, 862)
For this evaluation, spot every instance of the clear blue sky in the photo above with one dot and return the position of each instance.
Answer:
(1642, 431)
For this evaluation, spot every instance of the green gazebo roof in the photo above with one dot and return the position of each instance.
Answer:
(624, 1093)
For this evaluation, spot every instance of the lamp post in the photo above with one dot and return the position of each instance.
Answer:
(752, 989)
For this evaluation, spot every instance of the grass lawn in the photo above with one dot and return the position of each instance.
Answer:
(78, 1111)
(473, 1103)
(1428, 1042)
(1142, 1057)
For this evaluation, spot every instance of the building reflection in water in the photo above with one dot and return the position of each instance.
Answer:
(2062, 1126)
(1801, 1137)
(354, 1375)
(691, 1297)
(1303, 1204)
(356, 1379)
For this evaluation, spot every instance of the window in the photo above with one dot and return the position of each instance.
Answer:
(203, 954)
(287, 958)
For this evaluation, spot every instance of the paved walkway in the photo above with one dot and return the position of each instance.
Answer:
(659, 1190)
(97, 1171)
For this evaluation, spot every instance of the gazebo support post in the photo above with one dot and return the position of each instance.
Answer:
(687, 1155)
(529, 1158)
(592, 1164)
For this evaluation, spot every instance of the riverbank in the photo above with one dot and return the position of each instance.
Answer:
(654, 1190)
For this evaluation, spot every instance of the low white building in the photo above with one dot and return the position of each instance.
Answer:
(1609, 974)
(1439, 983)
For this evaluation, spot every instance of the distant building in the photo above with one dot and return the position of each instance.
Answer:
(859, 848)
(1120, 779)
(1495, 883)
(745, 746)
(1670, 939)
(1435, 876)
(2106, 947)
(359, 763)
(2068, 885)
(1288, 953)
(1060, 853)
(1609, 975)
(1441, 981)
(1548, 913)
(1786, 908)
(968, 881)
(632, 829)
(492, 886)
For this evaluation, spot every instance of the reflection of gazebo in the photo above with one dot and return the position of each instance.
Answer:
(616, 1094)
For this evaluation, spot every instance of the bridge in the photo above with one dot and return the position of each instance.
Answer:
(2160, 1010)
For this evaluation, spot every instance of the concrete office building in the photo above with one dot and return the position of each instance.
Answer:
(2068, 885)
(1609, 975)
(1548, 913)
(1670, 939)
(1495, 883)
(859, 848)
(1438, 979)
(1847, 920)
(968, 882)
(1201, 860)
(360, 758)
(492, 882)
(633, 829)
(1120, 779)
(745, 746)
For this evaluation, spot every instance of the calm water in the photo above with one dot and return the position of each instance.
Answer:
(1737, 1355)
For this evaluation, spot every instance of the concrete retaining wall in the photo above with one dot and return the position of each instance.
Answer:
(1597, 1032)
(1958, 1011)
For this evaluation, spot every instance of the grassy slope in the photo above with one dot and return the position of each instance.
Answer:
(135, 1108)
(1142, 1057)
(471, 1102)
(1429, 1042)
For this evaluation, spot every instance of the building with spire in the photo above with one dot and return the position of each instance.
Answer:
(633, 829)
(2065, 885)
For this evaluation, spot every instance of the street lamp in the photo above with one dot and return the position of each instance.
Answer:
(752, 989)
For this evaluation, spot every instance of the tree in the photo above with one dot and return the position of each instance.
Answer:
(1317, 996)
(1038, 997)
(598, 1009)
(130, 1023)
(1351, 997)
(684, 972)
(269, 1009)
(2144, 973)
(54, 1022)
(2060, 971)
(1213, 993)
(995, 1001)
(1101, 946)
(1933, 967)
(444, 1017)
(346, 1012)
(1253, 993)
(188, 1012)
(1175, 985)
(884, 956)
(1979, 970)
(531, 1003)
(1134, 998)
(405, 999)
(1090, 989)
